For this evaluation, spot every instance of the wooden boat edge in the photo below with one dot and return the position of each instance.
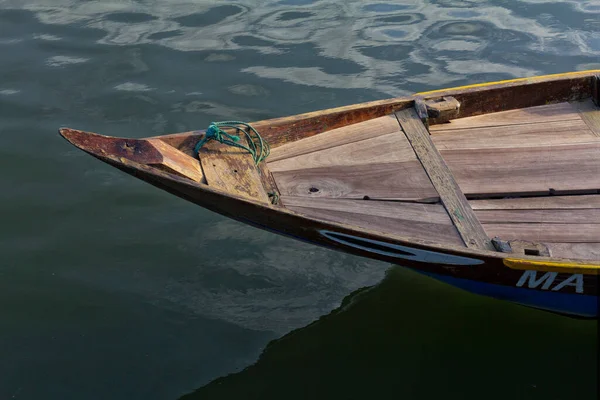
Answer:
(550, 264)
(335, 117)
(370, 109)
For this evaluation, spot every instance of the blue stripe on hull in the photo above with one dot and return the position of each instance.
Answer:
(565, 303)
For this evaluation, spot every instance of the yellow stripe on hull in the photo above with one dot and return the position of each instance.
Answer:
(531, 79)
(550, 266)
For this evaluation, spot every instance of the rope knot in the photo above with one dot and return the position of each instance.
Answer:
(256, 145)
(216, 133)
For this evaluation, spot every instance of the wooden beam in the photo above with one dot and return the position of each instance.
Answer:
(442, 109)
(454, 200)
(177, 162)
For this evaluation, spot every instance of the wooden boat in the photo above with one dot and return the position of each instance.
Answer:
(493, 188)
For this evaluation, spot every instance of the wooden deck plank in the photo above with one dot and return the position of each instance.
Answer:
(530, 115)
(582, 251)
(336, 137)
(442, 179)
(390, 148)
(419, 212)
(232, 170)
(525, 135)
(526, 170)
(564, 216)
(402, 224)
(545, 232)
(590, 114)
(390, 181)
(547, 202)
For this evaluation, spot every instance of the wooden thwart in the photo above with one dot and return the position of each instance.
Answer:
(453, 199)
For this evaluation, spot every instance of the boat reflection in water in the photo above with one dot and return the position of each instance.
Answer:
(381, 344)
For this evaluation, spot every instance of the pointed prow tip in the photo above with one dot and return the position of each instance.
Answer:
(68, 134)
(81, 139)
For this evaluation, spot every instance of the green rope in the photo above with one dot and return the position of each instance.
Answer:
(256, 145)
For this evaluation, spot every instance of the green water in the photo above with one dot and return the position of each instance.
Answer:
(112, 289)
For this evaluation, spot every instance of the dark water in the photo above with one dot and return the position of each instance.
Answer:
(110, 288)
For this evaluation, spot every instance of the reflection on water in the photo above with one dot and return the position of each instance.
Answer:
(377, 346)
(106, 282)
(442, 42)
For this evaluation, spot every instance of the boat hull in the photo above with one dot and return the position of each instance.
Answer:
(572, 304)
(568, 290)
(558, 285)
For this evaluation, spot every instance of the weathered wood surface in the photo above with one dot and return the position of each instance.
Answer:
(530, 115)
(474, 101)
(390, 181)
(526, 135)
(336, 137)
(232, 170)
(563, 216)
(442, 179)
(390, 148)
(270, 186)
(381, 165)
(442, 109)
(424, 221)
(583, 251)
(545, 232)
(184, 142)
(517, 94)
(530, 248)
(431, 213)
(559, 222)
(573, 167)
(177, 162)
(539, 203)
(590, 114)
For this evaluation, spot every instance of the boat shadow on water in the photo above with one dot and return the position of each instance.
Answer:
(415, 338)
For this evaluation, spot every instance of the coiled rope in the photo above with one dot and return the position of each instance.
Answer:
(256, 145)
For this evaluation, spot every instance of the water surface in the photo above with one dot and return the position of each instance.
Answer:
(110, 288)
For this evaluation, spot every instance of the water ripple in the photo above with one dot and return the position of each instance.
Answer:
(441, 35)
